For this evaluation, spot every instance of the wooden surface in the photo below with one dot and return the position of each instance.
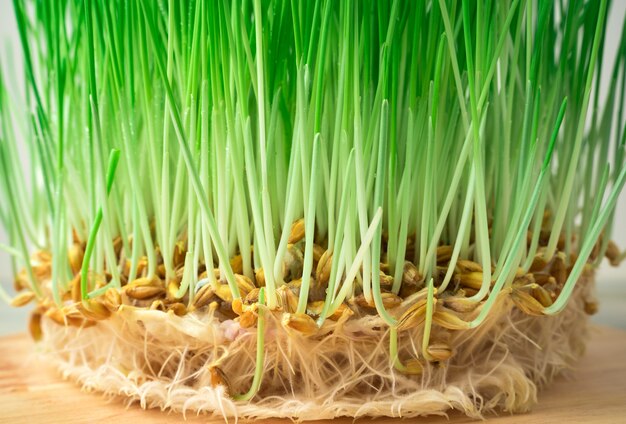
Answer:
(31, 392)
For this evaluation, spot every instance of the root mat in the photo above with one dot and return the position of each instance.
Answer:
(33, 392)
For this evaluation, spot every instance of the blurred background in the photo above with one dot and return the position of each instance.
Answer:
(611, 282)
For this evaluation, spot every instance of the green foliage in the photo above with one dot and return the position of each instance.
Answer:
(234, 119)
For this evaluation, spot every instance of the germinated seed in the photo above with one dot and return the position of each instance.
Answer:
(23, 299)
(300, 323)
(297, 231)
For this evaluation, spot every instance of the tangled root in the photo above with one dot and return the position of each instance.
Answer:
(160, 360)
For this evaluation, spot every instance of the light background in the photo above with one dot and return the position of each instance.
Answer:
(611, 281)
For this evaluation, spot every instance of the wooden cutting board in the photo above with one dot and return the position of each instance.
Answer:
(32, 392)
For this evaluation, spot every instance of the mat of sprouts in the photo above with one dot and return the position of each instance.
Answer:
(312, 209)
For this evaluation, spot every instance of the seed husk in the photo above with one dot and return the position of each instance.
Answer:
(595, 251)
(224, 293)
(526, 302)
(237, 306)
(612, 253)
(386, 281)
(412, 281)
(469, 292)
(112, 299)
(93, 309)
(439, 273)
(317, 291)
(117, 245)
(539, 263)
(297, 231)
(34, 326)
(286, 299)
(71, 311)
(318, 252)
(218, 378)
(390, 301)
(252, 297)
(413, 367)
(523, 279)
(465, 266)
(248, 319)
(141, 265)
(75, 257)
(300, 323)
(126, 268)
(472, 280)
(439, 351)
(161, 271)
(204, 296)
(143, 292)
(413, 316)
(547, 216)
(591, 307)
(552, 287)
(444, 253)
(75, 290)
(22, 299)
(179, 273)
(559, 270)
(244, 284)
(178, 308)
(145, 282)
(21, 281)
(544, 279)
(178, 256)
(259, 276)
(342, 310)
(56, 316)
(42, 266)
(236, 263)
(295, 285)
(460, 304)
(542, 295)
(172, 289)
(65, 317)
(449, 320)
(293, 263)
(42, 257)
(315, 308)
(322, 272)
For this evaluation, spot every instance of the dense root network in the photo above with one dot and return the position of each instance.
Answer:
(195, 362)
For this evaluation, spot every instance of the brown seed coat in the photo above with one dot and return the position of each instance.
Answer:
(23, 299)
(297, 231)
(300, 323)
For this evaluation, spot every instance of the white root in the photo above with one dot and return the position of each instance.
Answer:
(161, 360)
